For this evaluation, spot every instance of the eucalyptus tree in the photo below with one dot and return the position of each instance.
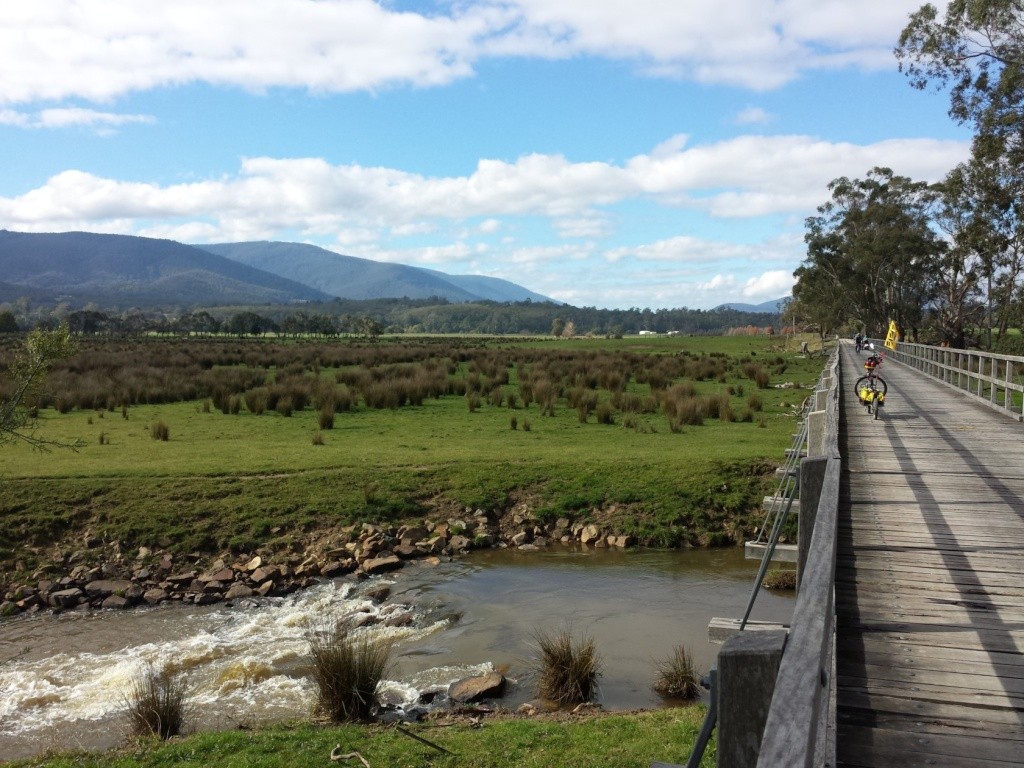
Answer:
(976, 50)
(871, 252)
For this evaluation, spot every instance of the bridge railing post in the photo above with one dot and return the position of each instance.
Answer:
(748, 664)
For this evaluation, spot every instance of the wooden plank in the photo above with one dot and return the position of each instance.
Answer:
(929, 594)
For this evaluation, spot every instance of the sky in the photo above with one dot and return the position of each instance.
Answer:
(603, 153)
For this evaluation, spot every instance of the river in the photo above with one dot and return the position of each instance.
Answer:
(63, 678)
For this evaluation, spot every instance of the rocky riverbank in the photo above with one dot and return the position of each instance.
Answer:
(91, 574)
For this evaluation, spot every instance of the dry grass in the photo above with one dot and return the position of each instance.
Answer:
(157, 704)
(346, 671)
(677, 677)
(568, 668)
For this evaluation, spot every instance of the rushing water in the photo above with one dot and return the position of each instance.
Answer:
(63, 678)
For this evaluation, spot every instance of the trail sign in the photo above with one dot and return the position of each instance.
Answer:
(892, 336)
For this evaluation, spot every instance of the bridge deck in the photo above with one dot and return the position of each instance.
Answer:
(929, 579)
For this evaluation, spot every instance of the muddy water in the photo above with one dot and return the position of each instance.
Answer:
(62, 678)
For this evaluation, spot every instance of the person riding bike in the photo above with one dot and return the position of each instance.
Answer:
(858, 341)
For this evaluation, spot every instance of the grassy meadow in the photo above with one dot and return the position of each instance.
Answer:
(670, 439)
(615, 741)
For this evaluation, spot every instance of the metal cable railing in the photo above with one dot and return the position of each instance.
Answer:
(788, 487)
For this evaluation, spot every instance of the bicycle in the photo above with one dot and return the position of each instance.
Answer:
(871, 388)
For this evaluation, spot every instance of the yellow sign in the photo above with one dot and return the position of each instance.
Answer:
(892, 336)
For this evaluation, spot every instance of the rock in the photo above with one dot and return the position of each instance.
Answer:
(222, 574)
(590, 534)
(66, 598)
(623, 541)
(527, 709)
(253, 564)
(381, 564)
(520, 538)
(144, 552)
(265, 588)
(475, 688)
(181, 579)
(237, 591)
(378, 593)
(107, 587)
(269, 572)
(399, 620)
(115, 602)
(334, 567)
(410, 534)
(460, 543)
(154, 596)
(406, 551)
(208, 598)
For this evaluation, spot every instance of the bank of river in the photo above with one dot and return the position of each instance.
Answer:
(62, 677)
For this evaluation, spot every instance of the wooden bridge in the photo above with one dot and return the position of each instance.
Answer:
(929, 576)
(906, 646)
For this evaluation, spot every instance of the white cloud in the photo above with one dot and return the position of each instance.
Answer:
(769, 285)
(753, 116)
(63, 117)
(100, 50)
(747, 177)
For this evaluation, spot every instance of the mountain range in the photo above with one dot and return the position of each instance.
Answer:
(120, 271)
(774, 306)
(124, 270)
(350, 277)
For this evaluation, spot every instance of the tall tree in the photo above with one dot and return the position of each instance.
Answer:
(871, 252)
(977, 50)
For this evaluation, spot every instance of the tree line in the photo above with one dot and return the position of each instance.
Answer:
(371, 318)
(945, 260)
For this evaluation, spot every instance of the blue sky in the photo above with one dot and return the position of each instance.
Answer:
(651, 153)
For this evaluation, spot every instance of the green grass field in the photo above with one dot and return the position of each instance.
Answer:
(614, 741)
(236, 482)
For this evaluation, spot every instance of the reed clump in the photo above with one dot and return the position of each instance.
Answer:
(677, 676)
(157, 703)
(568, 667)
(346, 671)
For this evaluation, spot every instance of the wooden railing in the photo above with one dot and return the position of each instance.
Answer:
(996, 380)
(800, 729)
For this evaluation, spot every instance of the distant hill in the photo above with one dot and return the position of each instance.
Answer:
(774, 306)
(123, 270)
(350, 277)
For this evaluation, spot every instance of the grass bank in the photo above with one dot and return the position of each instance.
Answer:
(692, 429)
(594, 741)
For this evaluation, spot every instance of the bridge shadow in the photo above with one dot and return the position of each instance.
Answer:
(996, 638)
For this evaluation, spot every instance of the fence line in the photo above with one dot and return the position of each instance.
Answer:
(995, 380)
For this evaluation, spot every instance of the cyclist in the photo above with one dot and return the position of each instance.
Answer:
(858, 341)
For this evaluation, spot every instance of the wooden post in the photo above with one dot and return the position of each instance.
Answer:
(812, 477)
(747, 667)
(816, 428)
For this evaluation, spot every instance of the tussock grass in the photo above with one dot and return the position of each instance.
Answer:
(157, 704)
(676, 676)
(346, 671)
(568, 667)
(160, 431)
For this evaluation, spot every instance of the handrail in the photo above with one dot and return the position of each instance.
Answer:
(829, 386)
(993, 379)
(800, 720)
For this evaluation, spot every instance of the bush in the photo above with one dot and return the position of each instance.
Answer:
(157, 704)
(677, 677)
(346, 671)
(778, 578)
(325, 417)
(318, 439)
(568, 669)
(754, 402)
(285, 405)
(160, 431)
(513, 423)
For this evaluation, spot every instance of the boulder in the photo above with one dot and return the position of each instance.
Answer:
(382, 564)
(66, 598)
(460, 543)
(590, 534)
(221, 575)
(154, 596)
(523, 537)
(478, 687)
(237, 591)
(107, 587)
(265, 573)
(115, 602)
(406, 551)
(378, 593)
